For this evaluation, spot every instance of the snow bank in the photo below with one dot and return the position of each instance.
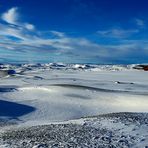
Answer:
(54, 93)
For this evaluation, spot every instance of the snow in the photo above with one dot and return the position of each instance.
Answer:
(57, 94)
(109, 130)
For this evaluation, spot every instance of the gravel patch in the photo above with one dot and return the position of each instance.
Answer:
(94, 133)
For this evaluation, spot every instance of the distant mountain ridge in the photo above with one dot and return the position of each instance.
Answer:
(62, 66)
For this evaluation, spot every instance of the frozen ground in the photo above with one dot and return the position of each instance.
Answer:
(50, 100)
(118, 130)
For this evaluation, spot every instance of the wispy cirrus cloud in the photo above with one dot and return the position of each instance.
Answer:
(12, 16)
(117, 33)
(140, 22)
(57, 33)
(21, 40)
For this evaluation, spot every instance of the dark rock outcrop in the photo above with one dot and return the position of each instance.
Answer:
(141, 67)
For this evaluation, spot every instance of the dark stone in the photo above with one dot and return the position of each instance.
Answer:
(141, 67)
(11, 72)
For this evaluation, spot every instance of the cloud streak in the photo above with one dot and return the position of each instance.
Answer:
(23, 42)
(118, 33)
(140, 22)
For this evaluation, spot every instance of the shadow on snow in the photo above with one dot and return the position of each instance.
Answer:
(14, 110)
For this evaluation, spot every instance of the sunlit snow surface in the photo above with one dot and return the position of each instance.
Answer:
(49, 93)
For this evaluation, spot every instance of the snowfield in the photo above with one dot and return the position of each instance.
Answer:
(73, 105)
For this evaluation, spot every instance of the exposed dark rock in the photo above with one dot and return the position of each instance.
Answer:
(141, 67)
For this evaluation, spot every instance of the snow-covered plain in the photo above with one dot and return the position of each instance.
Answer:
(72, 97)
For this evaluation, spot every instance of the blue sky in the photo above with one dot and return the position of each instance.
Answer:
(74, 31)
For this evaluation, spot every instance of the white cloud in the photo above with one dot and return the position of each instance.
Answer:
(57, 33)
(29, 26)
(11, 16)
(140, 22)
(71, 48)
(23, 37)
(117, 33)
